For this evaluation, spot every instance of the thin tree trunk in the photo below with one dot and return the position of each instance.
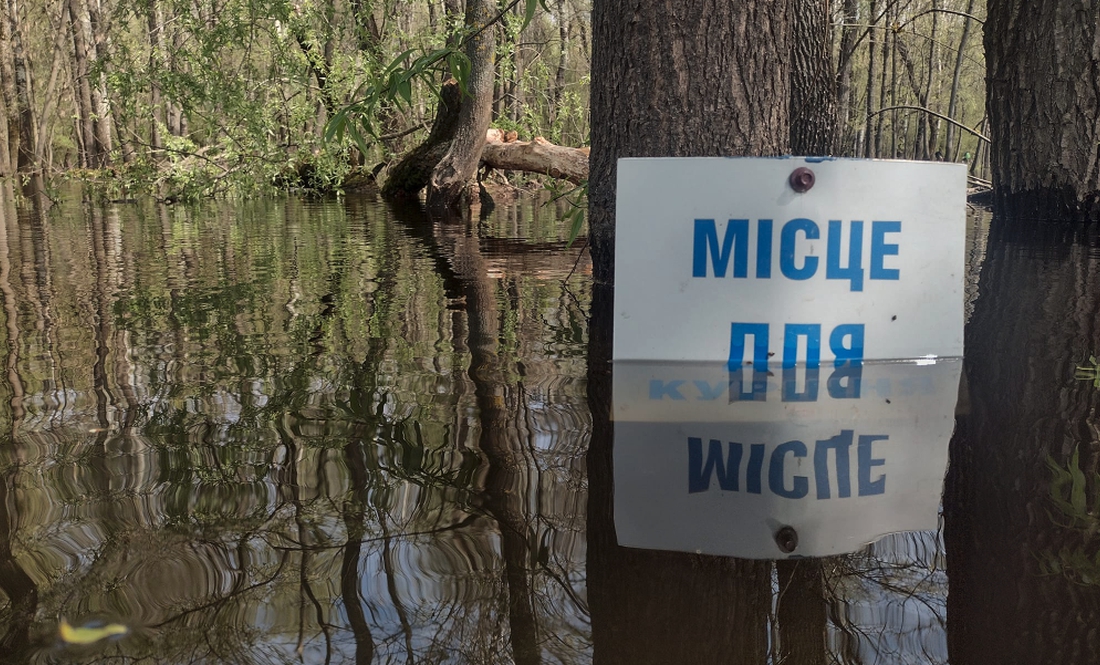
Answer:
(880, 118)
(563, 44)
(870, 149)
(104, 118)
(157, 120)
(952, 152)
(844, 77)
(52, 93)
(82, 89)
(23, 92)
(931, 146)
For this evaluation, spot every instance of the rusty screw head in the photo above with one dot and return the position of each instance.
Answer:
(802, 179)
(787, 539)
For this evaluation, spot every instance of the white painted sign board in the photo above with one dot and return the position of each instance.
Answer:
(717, 462)
(761, 328)
(715, 255)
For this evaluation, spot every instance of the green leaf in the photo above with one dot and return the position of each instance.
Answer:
(399, 61)
(529, 12)
(1077, 490)
(357, 137)
(578, 223)
(460, 69)
(404, 88)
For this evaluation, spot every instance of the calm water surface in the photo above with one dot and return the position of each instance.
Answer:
(332, 431)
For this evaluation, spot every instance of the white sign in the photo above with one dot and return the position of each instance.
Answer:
(722, 259)
(797, 462)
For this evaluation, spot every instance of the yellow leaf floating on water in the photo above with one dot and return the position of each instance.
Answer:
(89, 635)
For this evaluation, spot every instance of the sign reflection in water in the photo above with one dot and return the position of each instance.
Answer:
(799, 462)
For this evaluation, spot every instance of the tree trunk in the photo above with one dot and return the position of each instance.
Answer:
(413, 172)
(1042, 68)
(951, 153)
(689, 78)
(662, 87)
(844, 76)
(813, 96)
(20, 112)
(535, 156)
(449, 187)
(157, 120)
(104, 118)
(90, 156)
(870, 149)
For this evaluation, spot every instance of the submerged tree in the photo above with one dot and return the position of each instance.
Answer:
(1044, 106)
(693, 78)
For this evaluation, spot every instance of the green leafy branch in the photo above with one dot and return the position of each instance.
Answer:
(576, 196)
(1069, 494)
(394, 84)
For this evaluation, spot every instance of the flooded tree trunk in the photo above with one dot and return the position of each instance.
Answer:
(662, 86)
(1042, 65)
(411, 174)
(1022, 573)
(452, 177)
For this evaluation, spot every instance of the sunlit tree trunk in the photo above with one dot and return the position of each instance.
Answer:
(870, 149)
(17, 89)
(1042, 68)
(951, 152)
(157, 120)
(104, 117)
(90, 156)
(451, 183)
(844, 74)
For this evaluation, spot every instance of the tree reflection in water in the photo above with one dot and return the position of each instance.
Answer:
(334, 431)
(276, 430)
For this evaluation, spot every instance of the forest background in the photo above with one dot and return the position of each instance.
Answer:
(187, 99)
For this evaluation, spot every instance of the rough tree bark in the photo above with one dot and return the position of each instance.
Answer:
(813, 96)
(1043, 100)
(692, 78)
(450, 184)
(413, 171)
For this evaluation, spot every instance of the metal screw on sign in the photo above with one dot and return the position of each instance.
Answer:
(802, 179)
(786, 538)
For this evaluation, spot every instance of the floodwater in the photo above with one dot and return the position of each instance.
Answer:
(332, 431)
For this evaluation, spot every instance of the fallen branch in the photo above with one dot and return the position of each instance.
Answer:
(537, 156)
